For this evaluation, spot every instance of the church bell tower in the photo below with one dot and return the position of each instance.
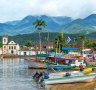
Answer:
(5, 39)
(5, 46)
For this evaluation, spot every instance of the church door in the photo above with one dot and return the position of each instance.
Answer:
(12, 51)
(24, 53)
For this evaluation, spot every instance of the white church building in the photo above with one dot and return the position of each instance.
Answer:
(9, 47)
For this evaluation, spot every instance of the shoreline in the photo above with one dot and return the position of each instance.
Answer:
(17, 56)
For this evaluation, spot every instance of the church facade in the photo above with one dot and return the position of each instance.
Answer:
(9, 47)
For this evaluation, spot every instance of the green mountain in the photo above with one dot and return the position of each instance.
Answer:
(54, 24)
(34, 37)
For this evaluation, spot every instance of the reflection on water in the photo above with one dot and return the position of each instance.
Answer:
(14, 75)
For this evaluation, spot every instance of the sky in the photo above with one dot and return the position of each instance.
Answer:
(17, 9)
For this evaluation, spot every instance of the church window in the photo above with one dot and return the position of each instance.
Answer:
(4, 40)
(14, 47)
(4, 46)
(9, 47)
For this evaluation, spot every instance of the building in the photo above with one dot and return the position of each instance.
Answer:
(0, 51)
(45, 46)
(25, 51)
(9, 47)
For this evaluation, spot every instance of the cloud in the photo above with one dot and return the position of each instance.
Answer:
(17, 9)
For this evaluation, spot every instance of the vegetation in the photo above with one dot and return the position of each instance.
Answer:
(39, 24)
(60, 42)
(28, 43)
(52, 50)
(0, 44)
(33, 37)
(82, 39)
(90, 44)
(80, 42)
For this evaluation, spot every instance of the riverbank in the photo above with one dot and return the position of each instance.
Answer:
(16, 56)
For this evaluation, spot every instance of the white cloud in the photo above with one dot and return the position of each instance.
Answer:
(17, 9)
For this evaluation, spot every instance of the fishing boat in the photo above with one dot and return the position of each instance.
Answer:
(59, 67)
(71, 78)
(42, 55)
(32, 64)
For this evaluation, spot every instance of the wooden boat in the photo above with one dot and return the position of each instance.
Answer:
(42, 55)
(35, 65)
(69, 79)
(58, 67)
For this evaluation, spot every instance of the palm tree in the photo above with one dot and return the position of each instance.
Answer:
(39, 24)
(82, 38)
(59, 42)
(75, 41)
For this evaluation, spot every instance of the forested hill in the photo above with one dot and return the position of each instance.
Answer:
(64, 24)
(34, 37)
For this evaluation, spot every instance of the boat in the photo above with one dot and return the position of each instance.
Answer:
(58, 67)
(75, 76)
(36, 65)
(32, 64)
(42, 55)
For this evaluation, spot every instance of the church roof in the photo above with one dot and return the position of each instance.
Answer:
(5, 35)
(12, 43)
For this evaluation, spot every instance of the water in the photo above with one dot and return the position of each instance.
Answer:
(14, 75)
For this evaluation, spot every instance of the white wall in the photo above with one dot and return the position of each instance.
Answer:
(78, 62)
(27, 52)
(0, 51)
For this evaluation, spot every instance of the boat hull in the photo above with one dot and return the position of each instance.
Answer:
(70, 79)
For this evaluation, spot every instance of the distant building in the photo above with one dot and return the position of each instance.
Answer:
(45, 46)
(9, 47)
(25, 51)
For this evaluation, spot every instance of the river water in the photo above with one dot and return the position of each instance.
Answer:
(14, 75)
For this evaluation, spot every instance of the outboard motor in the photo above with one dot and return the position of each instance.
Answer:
(46, 76)
(67, 74)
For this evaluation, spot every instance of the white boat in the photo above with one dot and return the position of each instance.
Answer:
(62, 74)
(53, 79)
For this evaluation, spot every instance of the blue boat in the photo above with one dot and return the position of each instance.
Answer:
(60, 67)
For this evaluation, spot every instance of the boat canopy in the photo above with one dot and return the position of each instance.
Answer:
(42, 55)
(58, 67)
(65, 48)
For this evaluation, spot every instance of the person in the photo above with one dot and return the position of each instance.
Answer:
(36, 77)
(41, 79)
(81, 67)
(67, 74)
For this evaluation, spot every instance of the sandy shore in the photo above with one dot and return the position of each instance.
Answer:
(74, 86)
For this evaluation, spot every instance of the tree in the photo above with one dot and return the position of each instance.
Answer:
(59, 42)
(0, 44)
(82, 39)
(28, 43)
(75, 41)
(91, 44)
(39, 24)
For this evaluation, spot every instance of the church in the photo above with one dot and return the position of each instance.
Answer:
(9, 47)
